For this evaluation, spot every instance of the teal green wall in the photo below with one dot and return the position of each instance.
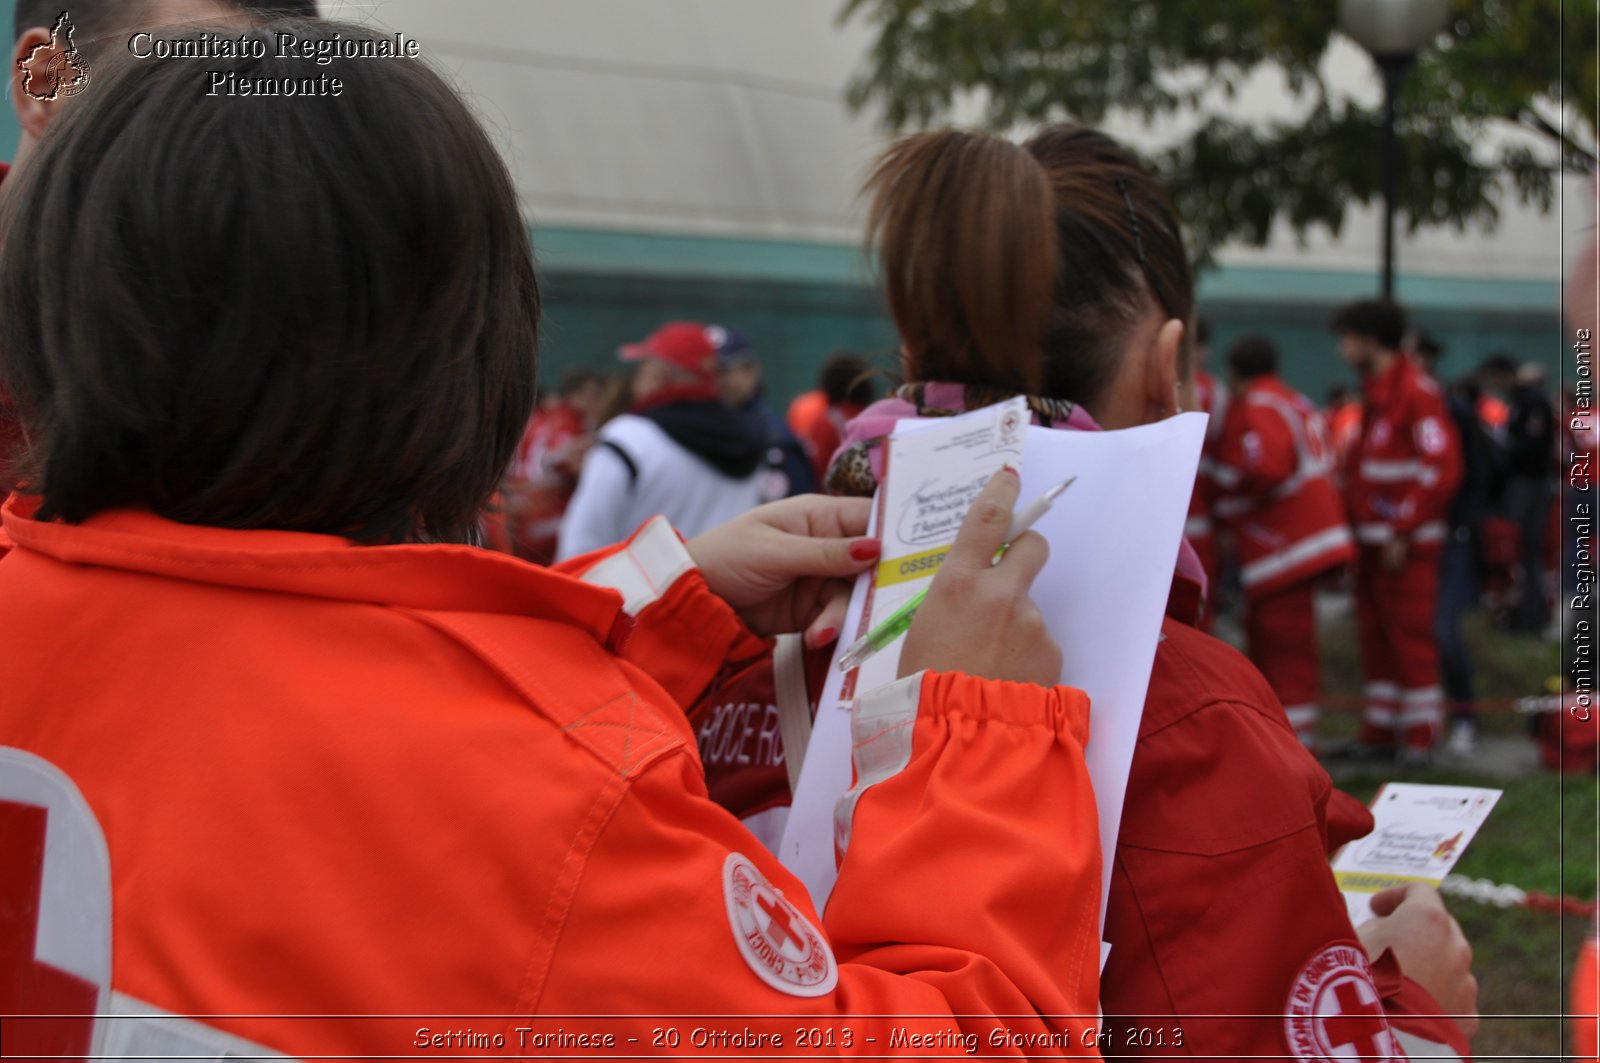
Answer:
(797, 301)
(9, 129)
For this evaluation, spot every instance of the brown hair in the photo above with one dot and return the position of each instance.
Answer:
(1023, 267)
(309, 314)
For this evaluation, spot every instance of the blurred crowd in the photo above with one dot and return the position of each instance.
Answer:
(684, 426)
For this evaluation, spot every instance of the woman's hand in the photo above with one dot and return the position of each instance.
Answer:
(788, 566)
(977, 617)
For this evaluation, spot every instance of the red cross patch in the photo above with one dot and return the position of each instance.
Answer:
(1334, 1011)
(775, 939)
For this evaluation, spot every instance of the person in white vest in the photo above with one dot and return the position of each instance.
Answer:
(678, 451)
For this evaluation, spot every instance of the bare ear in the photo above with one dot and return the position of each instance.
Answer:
(33, 94)
(1167, 377)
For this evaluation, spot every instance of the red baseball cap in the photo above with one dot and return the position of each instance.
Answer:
(683, 344)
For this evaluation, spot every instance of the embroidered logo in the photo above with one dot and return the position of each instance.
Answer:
(777, 941)
(1334, 1011)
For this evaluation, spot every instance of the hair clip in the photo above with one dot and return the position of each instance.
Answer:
(1133, 218)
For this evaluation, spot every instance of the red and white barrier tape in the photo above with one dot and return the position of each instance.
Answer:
(1506, 896)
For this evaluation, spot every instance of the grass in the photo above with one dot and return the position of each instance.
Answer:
(1542, 836)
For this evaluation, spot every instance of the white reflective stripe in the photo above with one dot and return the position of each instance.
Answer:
(1232, 507)
(1379, 717)
(1431, 532)
(1373, 534)
(1422, 705)
(136, 1030)
(880, 731)
(1382, 689)
(1301, 715)
(1419, 715)
(1197, 526)
(1224, 475)
(1378, 534)
(645, 568)
(1422, 1048)
(1274, 564)
(1391, 472)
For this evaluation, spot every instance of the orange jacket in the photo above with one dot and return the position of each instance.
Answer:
(449, 791)
(1272, 488)
(1405, 466)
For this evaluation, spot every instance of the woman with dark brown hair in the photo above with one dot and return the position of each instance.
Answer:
(280, 749)
(1057, 270)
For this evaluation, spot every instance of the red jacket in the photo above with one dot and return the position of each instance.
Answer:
(1274, 492)
(1229, 937)
(1405, 466)
(359, 798)
(1224, 919)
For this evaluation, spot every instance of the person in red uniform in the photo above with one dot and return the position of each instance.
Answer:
(1200, 528)
(844, 388)
(342, 780)
(544, 471)
(1229, 937)
(1401, 476)
(1273, 491)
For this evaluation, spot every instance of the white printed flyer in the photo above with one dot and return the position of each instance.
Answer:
(1419, 832)
(1114, 541)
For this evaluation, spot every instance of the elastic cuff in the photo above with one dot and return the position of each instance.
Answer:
(642, 570)
(1063, 709)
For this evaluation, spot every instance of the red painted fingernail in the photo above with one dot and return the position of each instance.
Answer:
(1009, 469)
(826, 637)
(865, 549)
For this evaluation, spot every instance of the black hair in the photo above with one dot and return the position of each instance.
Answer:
(1252, 356)
(1380, 320)
(846, 378)
(1498, 362)
(1426, 345)
(306, 313)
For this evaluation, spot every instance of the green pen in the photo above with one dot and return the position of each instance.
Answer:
(895, 624)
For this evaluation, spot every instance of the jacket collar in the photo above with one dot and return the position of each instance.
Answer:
(426, 577)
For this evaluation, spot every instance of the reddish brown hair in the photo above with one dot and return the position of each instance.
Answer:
(1023, 267)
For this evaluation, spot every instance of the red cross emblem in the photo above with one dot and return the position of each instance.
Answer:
(55, 905)
(775, 938)
(1334, 1011)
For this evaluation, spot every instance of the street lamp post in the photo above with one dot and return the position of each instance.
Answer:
(1392, 31)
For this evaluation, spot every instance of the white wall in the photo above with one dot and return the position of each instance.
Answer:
(724, 117)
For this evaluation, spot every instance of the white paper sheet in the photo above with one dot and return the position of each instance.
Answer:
(1419, 832)
(1114, 540)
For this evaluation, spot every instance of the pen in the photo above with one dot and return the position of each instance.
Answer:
(895, 624)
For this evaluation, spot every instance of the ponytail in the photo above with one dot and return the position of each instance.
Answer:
(963, 225)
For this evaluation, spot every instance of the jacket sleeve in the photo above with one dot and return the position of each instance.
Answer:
(1438, 456)
(679, 632)
(1225, 924)
(965, 909)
